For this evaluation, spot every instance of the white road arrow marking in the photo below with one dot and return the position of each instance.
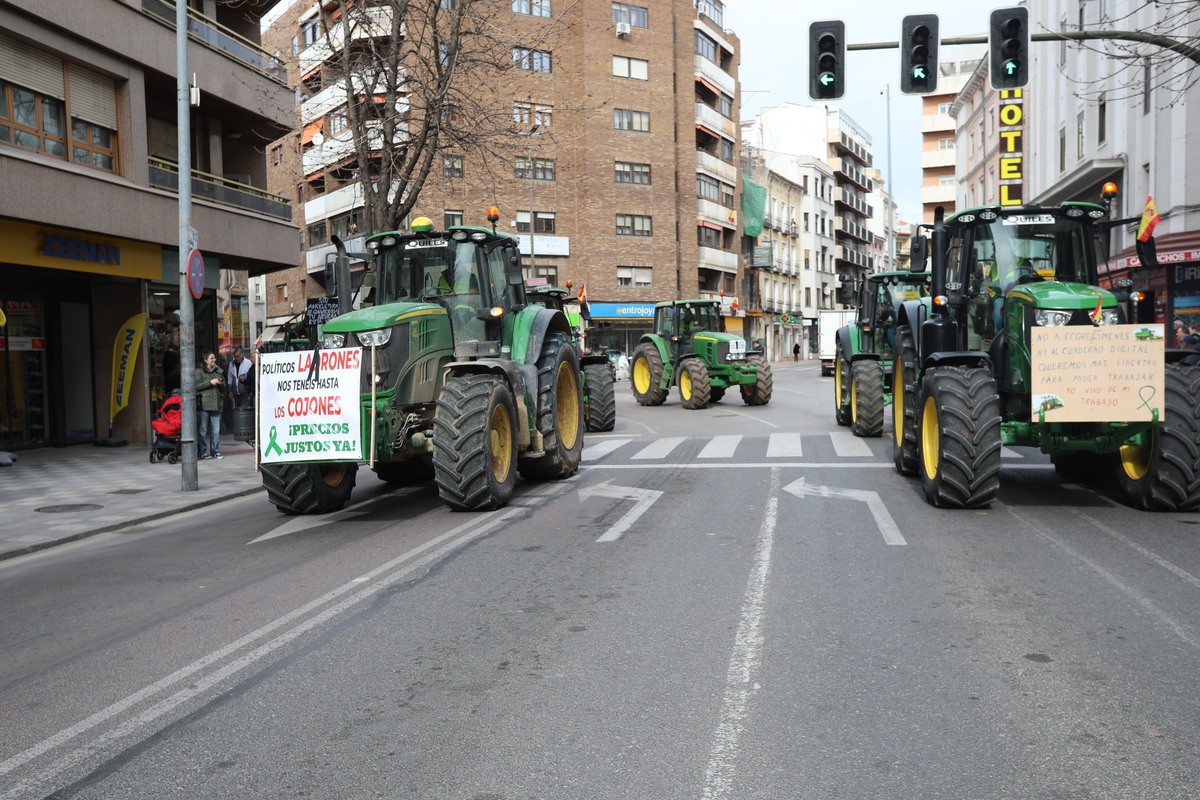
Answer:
(887, 526)
(644, 497)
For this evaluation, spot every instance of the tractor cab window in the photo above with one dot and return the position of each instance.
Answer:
(666, 321)
(1023, 248)
(706, 318)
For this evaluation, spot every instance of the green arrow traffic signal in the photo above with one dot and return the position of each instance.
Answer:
(827, 78)
(1010, 67)
(919, 73)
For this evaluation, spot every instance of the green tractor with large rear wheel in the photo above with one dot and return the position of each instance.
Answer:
(463, 380)
(971, 368)
(689, 349)
(865, 349)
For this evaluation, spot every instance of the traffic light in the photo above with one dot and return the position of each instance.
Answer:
(919, 54)
(1008, 48)
(826, 50)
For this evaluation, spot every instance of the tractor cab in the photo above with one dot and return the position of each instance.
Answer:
(680, 322)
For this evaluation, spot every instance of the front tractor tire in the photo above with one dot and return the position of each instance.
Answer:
(759, 392)
(312, 488)
(694, 388)
(475, 443)
(1165, 474)
(842, 412)
(959, 428)
(646, 376)
(559, 412)
(904, 403)
(601, 398)
(866, 398)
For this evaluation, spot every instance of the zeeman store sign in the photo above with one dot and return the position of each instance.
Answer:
(1012, 147)
(56, 248)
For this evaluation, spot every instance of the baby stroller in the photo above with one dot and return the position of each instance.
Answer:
(167, 425)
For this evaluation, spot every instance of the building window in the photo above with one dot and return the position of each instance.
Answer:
(37, 122)
(629, 172)
(1102, 120)
(316, 234)
(726, 105)
(712, 9)
(708, 237)
(536, 8)
(1079, 136)
(533, 60)
(636, 16)
(946, 180)
(539, 169)
(706, 46)
(946, 144)
(635, 68)
(310, 31)
(1062, 150)
(277, 155)
(1146, 75)
(633, 276)
(626, 120)
(451, 219)
(533, 113)
(727, 151)
(708, 188)
(543, 222)
(452, 166)
(943, 108)
(633, 225)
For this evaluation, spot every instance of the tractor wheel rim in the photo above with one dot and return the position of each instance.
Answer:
(685, 385)
(332, 474)
(566, 396)
(930, 436)
(853, 400)
(1135, 460)
(500, 434)
(837, 380)
(898, 404)
(641, 375)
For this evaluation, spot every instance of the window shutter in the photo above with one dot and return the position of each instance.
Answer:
(93, 97)
(164, 139)
(31, 68)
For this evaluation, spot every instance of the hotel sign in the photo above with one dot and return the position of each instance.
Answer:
(1012, 147)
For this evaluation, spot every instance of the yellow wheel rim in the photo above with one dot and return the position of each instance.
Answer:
(500, 433)
(930, 436)
(332, 474)
(1135, 460)
(641, 375)
(898, 404)
(837, 381)
(566, 396)
(853, 400)
(685, 384)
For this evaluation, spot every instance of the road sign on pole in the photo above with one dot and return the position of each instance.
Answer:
(195, 274)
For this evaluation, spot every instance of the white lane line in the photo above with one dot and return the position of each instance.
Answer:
(660, 448)
(720, 447)
(847, 445)
(793, 464)
(601, 449)
(740, 687)
(298, 618)
(1006, 452)
(784, 445)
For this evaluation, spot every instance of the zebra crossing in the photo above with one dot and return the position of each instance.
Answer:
(733, 447)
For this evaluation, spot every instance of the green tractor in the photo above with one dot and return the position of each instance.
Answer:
(964, 365)
(463, 382)
(865, 349)
(599, 392)
(688, 348)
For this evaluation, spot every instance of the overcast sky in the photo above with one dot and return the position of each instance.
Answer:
(774, 68)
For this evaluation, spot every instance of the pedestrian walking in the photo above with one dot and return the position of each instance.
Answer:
(240, 380)
(210, 391)
(796, 352)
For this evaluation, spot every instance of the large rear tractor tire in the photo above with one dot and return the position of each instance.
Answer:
(1165, 474)
(559, 412)
(314, 488)
(646, 376)
(866, 398)
(959, 427)
(475, 443)
(694, 388)
(841, 389)
(417, 469)
(904, 403)
(602, 398)
(759, 392)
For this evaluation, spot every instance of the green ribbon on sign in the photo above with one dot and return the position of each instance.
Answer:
(273, 445)
(1146, 398)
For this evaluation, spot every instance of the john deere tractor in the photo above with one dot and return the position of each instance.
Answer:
(865, 349)
(599, 394)
(463, 381)
(688, 349)
(964, 364)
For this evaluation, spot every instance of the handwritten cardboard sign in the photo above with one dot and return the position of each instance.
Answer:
(306, 414)
(1106, 373)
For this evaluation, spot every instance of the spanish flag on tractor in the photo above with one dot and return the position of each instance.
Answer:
(1150, 219)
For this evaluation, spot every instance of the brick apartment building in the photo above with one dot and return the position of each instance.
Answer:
(623, 175)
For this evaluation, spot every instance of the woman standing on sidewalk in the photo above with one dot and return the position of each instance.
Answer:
(210, 390)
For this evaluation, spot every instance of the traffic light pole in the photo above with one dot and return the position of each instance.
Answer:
(1183, 48)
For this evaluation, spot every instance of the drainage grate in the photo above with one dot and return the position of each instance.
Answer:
(128, 491)
(68, 508)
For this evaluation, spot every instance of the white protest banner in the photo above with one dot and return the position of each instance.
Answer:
(308, 414)
(1109, 373)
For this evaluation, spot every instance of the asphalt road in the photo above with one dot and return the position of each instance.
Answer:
(729, 603)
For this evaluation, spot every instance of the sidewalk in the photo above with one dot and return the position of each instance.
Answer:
(55, 495)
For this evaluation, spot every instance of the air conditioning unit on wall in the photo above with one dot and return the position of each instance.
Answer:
(623, 29)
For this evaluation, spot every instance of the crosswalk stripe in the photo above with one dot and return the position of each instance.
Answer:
(660, 448)
(846, 444)
(720, 447)
(601, 449)
(784, 445)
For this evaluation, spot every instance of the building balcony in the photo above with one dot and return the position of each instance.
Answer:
(937, 123)
(846, 199)
(853, 257)
(938, 194)
(165, 175)
(931, 159)
(715, 75)
(217, 37)
(374, 22)
(716, 213)
(716, 167)
(720, 260)
(850, 228)
(711, 118)
(846, 168)
(848, 145)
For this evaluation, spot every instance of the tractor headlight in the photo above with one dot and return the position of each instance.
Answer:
(1051, 319)
(1110, 317)
(332, 341)
(377, 338)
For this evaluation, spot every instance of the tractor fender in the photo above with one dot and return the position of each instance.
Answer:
(521, 379)
(845, 341)
(912, 313)
(960, 358)
(547, 321)
(936, 335)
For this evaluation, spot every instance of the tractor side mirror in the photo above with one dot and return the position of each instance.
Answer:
(918, 253)
(1147, 252)
(845, 293)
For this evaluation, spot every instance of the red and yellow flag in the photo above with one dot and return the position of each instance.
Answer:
(1150, 219)
(1098, 311)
